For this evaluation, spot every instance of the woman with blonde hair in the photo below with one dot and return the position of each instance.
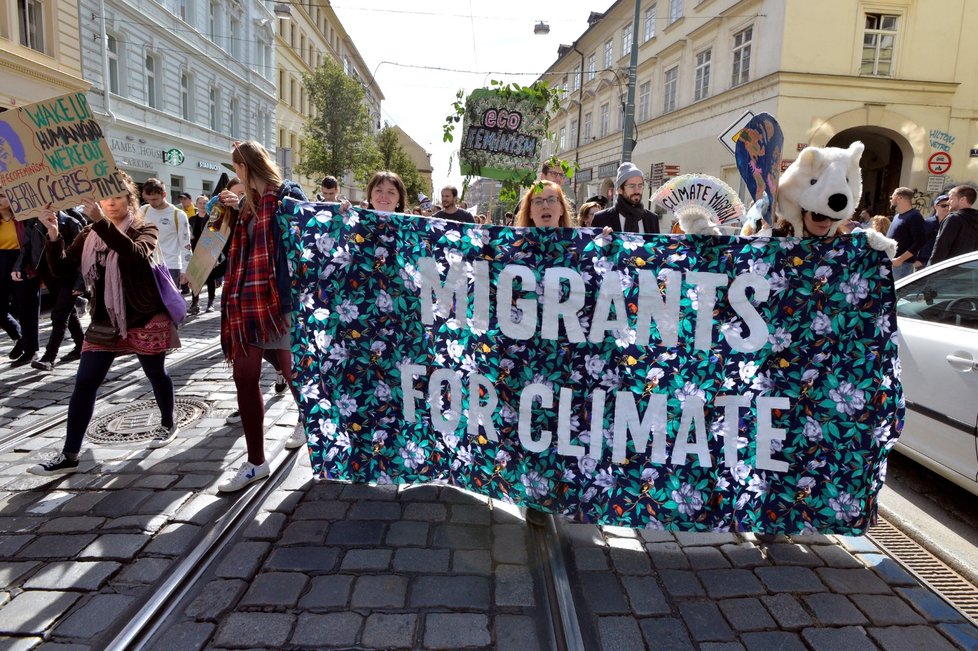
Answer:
(256, 304)
(115, 257)
(544, 206)
(880, 223)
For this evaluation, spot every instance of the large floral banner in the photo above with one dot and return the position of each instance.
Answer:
(684, 382)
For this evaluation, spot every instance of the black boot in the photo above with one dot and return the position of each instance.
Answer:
(26, 358)
(74, 355)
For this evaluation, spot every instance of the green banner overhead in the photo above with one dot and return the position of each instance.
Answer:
(503, 133)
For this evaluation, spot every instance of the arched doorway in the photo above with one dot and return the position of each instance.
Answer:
(881, 164)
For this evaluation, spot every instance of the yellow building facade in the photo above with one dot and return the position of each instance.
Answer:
(899, 75)
(302, 43)
(39, 51)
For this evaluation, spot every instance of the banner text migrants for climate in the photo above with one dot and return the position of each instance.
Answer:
(693, 383)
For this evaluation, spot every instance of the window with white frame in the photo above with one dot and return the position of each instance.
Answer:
(626, 40)
(587, 128)
(112, 53)
(213, 11)
(265, 57)
(233, 118)
(701, 82)
(30, 16)
(741, 56)
(603, 124)
(592, 64)
(573, 134)
(562, 140)
(609, 48)
(644, 101)
(576, 78)
(675, 10)
(650, 22)
(152, 81)
(621, 117)
(212, 98)
(235, 38)
(670, 87)
(879, 38)
(185, 96)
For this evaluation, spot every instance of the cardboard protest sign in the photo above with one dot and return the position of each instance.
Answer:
(689, 383)
(54, 152)
(210, 244)
(502, 134)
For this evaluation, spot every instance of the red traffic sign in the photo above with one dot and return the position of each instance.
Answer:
(939, 162)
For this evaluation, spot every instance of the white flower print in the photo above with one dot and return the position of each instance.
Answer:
(812, 429)
(455, 349)
(347, 311)
(780, 339)
(689, 389)
(536, 485)
(845, 506)
(384, 301)
(821, 324)
(747, 371)
(320, 314)
(346, 405)
(855, 289)
(848, 399)
(413, 455)
(383, 391)
(606, 480)
(688, 500)
(594, 365)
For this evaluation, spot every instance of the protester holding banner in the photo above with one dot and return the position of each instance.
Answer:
(197, 225)
(627, 214)
(544, 206)
(386, 192)
(257, 300)
(115, 256)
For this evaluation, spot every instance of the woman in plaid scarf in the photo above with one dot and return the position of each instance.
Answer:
(256, 304)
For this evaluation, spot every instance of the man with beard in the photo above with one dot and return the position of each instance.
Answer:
(628, 215)
(450, 209)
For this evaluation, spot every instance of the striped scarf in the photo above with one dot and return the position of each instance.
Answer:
(252, 307)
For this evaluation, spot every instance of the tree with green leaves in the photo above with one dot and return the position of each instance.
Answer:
(338, 139)
(393, 157)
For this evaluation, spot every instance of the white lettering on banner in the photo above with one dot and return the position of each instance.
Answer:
(519, 319)
(648, 433)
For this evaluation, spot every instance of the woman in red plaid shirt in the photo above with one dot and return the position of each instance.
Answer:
(256, 303)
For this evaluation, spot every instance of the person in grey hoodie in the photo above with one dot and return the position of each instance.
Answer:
(958, 232)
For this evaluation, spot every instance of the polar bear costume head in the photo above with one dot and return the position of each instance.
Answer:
(823, 181)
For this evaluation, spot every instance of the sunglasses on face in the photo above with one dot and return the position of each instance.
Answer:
(942, 205)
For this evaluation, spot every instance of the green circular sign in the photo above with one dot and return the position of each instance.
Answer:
(174, 157)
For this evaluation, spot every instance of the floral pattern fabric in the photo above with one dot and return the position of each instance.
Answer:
(831, 350)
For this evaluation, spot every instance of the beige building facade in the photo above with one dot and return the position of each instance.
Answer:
(302, 44)
(40, 56)
(418, 156)
(899, 75)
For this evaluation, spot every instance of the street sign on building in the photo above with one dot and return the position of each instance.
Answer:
(729, 137)
(939, 162)
(935, 183)
(657, 175)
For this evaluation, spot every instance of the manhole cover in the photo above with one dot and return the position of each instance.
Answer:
(135, 422)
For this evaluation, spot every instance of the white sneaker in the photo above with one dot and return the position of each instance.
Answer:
(297, 439)
(247, 473)
(58, 465)
(163, 436)
(233, 417)
(280, 384)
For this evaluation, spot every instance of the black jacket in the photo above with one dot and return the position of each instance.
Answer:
(31, 260)
(957, 234)
(613, 216)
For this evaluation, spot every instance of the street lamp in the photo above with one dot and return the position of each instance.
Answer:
(541, 28)
(628, 144)
(283, 11)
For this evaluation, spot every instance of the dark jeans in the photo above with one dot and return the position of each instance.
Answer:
(29, 294)
(92, 369)
(63, 317)
(8, 317)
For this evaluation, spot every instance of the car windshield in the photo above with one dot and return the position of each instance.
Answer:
(946, 296)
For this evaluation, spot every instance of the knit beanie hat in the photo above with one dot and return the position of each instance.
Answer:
(626, 171)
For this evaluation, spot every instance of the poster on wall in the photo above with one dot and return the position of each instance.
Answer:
(502, 134)
(691, 384)
(52, 154)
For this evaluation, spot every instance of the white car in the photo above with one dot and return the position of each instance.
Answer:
(937, 317)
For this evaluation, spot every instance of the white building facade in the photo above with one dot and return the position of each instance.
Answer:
(175, 82)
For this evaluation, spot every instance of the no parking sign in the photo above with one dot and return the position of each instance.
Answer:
(939, 162)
